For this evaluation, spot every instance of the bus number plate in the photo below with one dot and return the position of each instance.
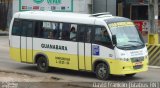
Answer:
(138, 63)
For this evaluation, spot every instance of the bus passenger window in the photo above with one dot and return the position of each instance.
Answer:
(55, 30)
(38, 29)
(88, 34)
(65, 34)
(73, 34)
(16, 30)
(50, 30)
(30, 29)
(50, 35)
(81, 33)
(27, 28)
(68, 31)
(98, 34)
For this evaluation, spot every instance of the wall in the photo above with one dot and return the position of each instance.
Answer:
(111, 6)
(104, 6)
(6, 13)
(99, 6)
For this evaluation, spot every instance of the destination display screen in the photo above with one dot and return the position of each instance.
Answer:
(120, 24)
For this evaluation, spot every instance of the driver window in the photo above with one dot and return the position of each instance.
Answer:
(102, 36)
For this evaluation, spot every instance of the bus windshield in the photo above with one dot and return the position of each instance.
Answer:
(127, 35)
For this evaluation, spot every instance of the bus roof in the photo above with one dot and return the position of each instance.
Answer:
(64, 16)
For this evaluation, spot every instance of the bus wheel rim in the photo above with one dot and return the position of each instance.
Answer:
(102, 71)
(42, 63)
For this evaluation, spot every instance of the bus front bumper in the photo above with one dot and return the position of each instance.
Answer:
(119, 67)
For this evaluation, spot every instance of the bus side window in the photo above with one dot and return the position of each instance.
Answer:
(38, 29)
(98, 34)
(27, 28)
(81, 33)
(16, 29)
(102, 36)
(73, 32)
(88, 34)
(55, 31)
(50, 30)
(30, 29)
(65, 31)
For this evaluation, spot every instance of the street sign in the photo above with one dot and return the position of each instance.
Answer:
(46, 5)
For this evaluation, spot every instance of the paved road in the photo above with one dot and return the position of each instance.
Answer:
(65, 75)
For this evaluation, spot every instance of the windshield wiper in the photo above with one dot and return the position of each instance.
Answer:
(137, 42)
(128, 45)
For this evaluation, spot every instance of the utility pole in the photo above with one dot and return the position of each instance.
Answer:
(153, 20)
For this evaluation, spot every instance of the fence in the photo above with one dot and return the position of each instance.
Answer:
(154, 54)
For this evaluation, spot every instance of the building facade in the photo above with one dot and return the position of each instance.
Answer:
(136, 10)
(77, 6)
(5, 13)
(80, 6)
(104, 6)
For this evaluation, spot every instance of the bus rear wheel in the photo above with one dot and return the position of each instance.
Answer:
(102, 71)
(42, 64)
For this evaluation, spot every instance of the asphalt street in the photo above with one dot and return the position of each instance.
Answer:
(62, 75)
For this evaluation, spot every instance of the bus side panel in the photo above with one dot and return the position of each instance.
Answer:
(88, 63)
(29, 56)
(88, 56)
(15, 48)
(101, 53)
(81, 55)
(62, 60)
(61, 54)
(23, 49)
(54, 59)
(29, 50)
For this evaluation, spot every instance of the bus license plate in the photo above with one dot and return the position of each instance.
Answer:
(138, 63)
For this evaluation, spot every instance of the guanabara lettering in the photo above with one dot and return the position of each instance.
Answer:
(57, 47)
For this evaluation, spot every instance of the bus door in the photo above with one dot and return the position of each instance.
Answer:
(84, 47)
(26, 41)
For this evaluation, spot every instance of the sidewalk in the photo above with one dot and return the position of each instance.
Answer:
(4, 33)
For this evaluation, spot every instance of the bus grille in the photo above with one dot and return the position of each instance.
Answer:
(138, 66)
(137, 59)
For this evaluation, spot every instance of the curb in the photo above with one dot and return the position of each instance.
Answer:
(156, 67)
(16, 72)
(29, 74)
(4, 34)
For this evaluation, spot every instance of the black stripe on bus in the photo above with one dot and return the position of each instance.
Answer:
(20, 50)
(78, 54)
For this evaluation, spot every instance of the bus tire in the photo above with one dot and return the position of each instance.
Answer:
(42, 64)
(102, 71)
(130, 75)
